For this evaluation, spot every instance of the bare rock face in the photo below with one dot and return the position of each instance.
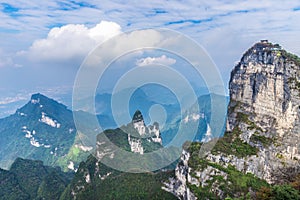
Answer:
(152, 133)
(264, 87)
(265, 83)
(262, 141)
(135, 137)
(138, 123)
(178, 185)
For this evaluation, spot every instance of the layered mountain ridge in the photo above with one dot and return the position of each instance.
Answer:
(43, 129)
(259, 150)
(94, 179)
(52, 183)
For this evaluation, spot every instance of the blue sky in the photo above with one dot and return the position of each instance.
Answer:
(44, 42)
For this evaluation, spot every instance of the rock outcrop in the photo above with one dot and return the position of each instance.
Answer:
(178, 186)
(262, 140)
(152, 133)
(139, 138)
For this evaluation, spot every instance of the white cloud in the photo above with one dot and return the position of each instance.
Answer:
(163, 60)
(70, 41)
(224, 28)
(125, 44)
(8, 100)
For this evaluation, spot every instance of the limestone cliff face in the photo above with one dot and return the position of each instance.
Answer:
(265, 83)
(152, 133)
(263, 130)
(135, 137)
(264, 86)
(178, 185)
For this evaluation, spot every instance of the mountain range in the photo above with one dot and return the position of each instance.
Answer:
(44, 129)
(257, 157)
(92, 178)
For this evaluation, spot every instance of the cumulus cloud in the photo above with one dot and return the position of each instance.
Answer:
(163, 60)
(71, 41)
(128, 43)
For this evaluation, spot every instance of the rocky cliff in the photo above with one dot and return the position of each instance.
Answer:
(135, 137)
(264, 106)
(262, 141)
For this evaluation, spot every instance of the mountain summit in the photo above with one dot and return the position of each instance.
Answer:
(44, 108)
(41, 99)
(137, 117)
(135, 136)
(43, 129)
